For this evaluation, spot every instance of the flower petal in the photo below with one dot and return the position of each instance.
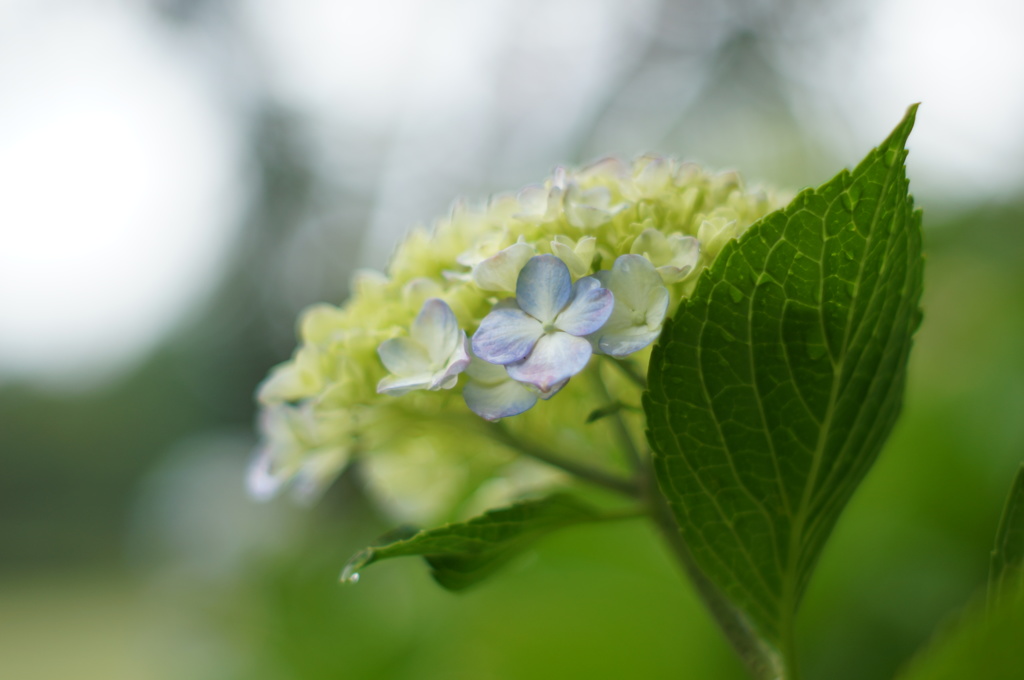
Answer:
(626, 341)
(500, 271)
(641, 302)
(485, 372)
(555, 358)
(437, 330)
(397, 385)
(657, 307)
(543, 288)
(457, 363)
(589, 309)
(501, 400)
(404, 356)
(505, 335)
(631, 280)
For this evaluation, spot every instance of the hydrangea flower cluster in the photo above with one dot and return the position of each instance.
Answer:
(495, 310)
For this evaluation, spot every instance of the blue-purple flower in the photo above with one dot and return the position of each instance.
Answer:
(539, 336)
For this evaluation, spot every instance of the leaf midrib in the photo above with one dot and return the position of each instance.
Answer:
(792, 580)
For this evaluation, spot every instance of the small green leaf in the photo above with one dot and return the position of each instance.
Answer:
(778, 380)
(1007, 572)
(464, 553)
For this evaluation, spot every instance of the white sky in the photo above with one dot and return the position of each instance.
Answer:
(120, 168)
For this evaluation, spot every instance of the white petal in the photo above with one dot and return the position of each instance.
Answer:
(404, 356)
(437, 330)
(458, 361)
(631, 280)
(555, 358)
(657, 307)
(492, 402)
(543, 288)
(505, 335)
(589, 309)
(397, 385)
(628, 341)
(500, 271)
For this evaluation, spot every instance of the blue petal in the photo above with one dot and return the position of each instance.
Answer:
(505, 335)
(555, 358)
(590, 308)
(544, 287)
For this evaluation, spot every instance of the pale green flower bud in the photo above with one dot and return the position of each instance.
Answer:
(577, 255)
(714, 233)
(674, 255)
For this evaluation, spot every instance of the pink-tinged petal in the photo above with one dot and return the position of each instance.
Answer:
(505, 335)
(589, 309)
(446, 379)
(437, 330)
(493, 402)
(404, 356)
(544, 287)
(555, 358)
(551, 391)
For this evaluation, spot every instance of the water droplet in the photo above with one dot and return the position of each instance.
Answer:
(349, 574)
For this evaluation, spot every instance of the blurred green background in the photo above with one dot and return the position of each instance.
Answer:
(179, 177)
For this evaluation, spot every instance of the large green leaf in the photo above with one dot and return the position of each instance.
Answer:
(777, 382)
(464, 553)
(1007, 573)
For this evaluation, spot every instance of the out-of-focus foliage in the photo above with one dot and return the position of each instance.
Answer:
(126, 541)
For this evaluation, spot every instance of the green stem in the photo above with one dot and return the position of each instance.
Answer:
(788, 651)
(621, 428)
(762, 662)
(591, 474)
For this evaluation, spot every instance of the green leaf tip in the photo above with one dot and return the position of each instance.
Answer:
(464, 553)
(779, 379)
(1007, 567)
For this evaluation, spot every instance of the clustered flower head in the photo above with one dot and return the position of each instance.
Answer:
(494, 314)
